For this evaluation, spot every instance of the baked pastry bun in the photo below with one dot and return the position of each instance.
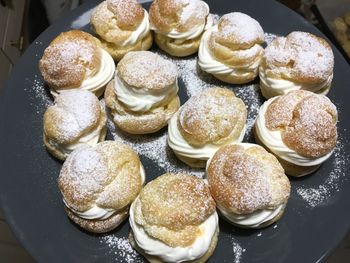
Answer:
(143, 95)
(174, 219)
(122, 26)
(231, 50)
(298, 61)
(300, 128)
(77, 118)
(76, 60)
(207, 121)
(99, 183)
(248, 185)
(179, 25)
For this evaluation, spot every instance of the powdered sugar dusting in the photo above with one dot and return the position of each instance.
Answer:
(122, 249)
(316, 196)
(237, 250)
(38, 93)
(155, 148)
(300, 55)
(241, 27)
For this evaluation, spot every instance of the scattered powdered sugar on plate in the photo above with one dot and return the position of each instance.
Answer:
(237, 250)
(155, 148)
(316, 196)
(38, 93)
(122, 249)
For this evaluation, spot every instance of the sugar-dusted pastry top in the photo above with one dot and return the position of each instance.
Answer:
(300, 56)
(307, 122)
(214, 116)
(178, 15)
(73, 114)
(105, 176)
(171, 208)
(69, 59)
(238, 31)
(246, 179)
(115, 20)
(144, 69)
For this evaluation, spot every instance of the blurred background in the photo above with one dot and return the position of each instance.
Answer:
(21, 21)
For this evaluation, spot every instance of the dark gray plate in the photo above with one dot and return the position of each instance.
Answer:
(315, 221)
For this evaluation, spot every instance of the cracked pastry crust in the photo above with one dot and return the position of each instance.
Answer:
(206, 121)
(214, 116)
(300, 60)
(172, 209)
(107, 176)
(76, 60)
(76, 118)
(143, 95)
(122, 26)
(179, 25)
(245, 179)
(231, 50)
(306, 124)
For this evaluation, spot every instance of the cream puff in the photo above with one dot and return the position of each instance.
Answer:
(77, 118)
(298, 61)
(76, 60)
(207, 121)
(300, 128)
(248, 185)
(122, 26)
(231, 50)
(174, 219)
(179, 25)
(98, 184)
(143, 95)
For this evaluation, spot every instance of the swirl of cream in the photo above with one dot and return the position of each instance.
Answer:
(209, 64)
(98, 80)
(91, 139)
(97, 212)
(140, 32)
(252, 220)
(273, 140)
(271, 87)
(154, 247)
(195, 31)
(181, 147)
(142, 100)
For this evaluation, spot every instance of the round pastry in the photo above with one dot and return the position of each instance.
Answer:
(248, 185)
(179, 25)
(77, 118)
(298, 61)
(231, 50)
(143, 95)
(99, 183)
(213, 118)
(174, 219)
(300, 128)
(76, 60)
(122, 26)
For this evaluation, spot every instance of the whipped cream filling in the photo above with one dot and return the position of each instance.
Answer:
(91, 139)
(194, 32)
(181, 147)
(97, 212)
(98, 80)
(142, 100)
(252, 220)
(154, 247)
(272, 87)
(208, 62)
(273, 140)
(141, 31)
